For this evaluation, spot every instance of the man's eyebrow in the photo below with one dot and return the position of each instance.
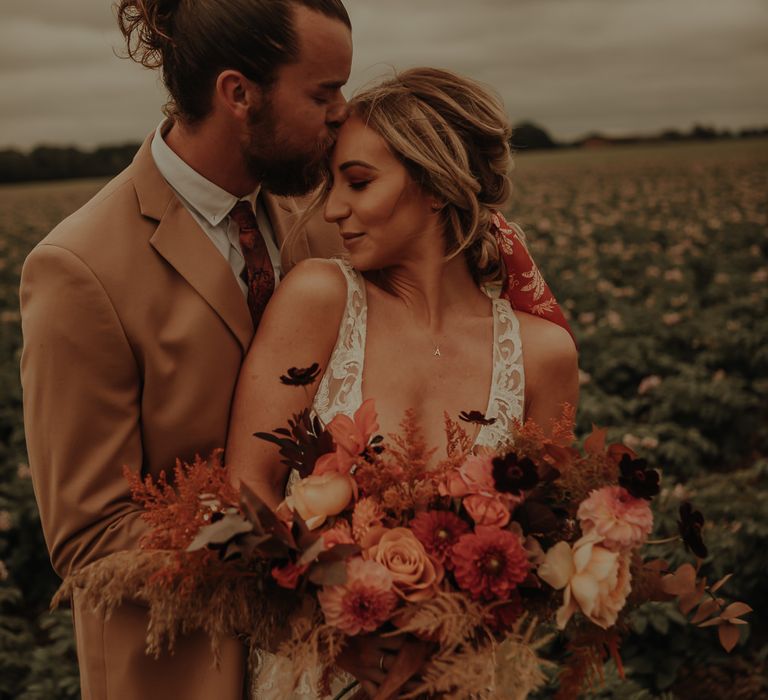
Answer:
(351, 163)
(333, 84)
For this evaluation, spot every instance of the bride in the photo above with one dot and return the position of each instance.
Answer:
(406, 318)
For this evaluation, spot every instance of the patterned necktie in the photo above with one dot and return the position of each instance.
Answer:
(259, 275)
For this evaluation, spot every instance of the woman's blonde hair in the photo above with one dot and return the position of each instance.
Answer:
(452, 136)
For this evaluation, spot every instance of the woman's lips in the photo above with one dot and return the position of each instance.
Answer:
(349, 236)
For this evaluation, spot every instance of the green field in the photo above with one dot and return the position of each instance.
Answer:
(660, 257)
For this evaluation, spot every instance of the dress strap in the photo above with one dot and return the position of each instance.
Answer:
(507, 398)
(341, 387)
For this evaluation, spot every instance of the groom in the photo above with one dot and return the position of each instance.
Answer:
(138, 308)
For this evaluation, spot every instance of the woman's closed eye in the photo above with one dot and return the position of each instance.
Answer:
(358, 185)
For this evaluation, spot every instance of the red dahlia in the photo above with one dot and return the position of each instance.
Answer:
(438, 531)
(489, 563)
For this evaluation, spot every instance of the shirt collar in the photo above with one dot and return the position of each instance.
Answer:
(209, 200)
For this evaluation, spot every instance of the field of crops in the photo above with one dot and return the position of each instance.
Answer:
(660, 256)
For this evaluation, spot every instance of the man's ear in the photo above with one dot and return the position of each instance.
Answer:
(236, 94)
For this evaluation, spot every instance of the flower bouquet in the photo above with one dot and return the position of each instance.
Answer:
(478, 558)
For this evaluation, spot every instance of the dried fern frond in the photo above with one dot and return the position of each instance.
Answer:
(519, 669)
(312, 646)
(462, 673)
(459, 442)
(449, 618)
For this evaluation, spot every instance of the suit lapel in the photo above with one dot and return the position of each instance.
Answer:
(282, 216)
(184, 245)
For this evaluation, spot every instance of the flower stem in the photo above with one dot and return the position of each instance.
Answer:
(344, 691)
(663, 541)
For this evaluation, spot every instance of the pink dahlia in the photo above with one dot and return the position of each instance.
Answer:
(620, 519)
(489, 563)
(438, 531)
(364, 602)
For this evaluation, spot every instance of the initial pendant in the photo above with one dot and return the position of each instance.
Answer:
(437, 352)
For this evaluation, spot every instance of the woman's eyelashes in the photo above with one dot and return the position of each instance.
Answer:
(358, 185)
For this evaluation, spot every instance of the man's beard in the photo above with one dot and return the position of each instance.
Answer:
(275, 163)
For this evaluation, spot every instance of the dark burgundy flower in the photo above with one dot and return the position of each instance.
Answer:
(636, 478)
(476, 417)
(690, 524)
(301, 376)
(513, 475)
(438, 531)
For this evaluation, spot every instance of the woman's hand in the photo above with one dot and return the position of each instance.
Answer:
(369, 658)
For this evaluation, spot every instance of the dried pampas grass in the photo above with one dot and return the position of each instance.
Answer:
(216, 600)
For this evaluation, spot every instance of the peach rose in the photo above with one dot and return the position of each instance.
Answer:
(620, 519)
(596, 580)
(317, 497)
(487, 510)
(415, 575)
(474, 476)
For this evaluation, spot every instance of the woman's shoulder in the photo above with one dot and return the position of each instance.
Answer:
(316, 281)
(313, 290)
(549, 344)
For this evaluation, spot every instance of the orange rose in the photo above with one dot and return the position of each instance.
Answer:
(317, 497)
(415, 575)
(596, 580)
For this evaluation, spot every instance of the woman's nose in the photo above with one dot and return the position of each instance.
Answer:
(335, 209)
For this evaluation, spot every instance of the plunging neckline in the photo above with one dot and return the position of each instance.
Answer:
(341, 387)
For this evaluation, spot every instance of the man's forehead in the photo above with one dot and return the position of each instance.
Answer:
(325, 48)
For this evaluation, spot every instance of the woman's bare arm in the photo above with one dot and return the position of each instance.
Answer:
(551, 370)
(299, 327)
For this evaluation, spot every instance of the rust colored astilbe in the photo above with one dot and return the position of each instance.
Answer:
(398, 478)
(588, 649)
(598, 465)
(176, 511)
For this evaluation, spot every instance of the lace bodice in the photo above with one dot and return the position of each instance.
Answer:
(341, 387)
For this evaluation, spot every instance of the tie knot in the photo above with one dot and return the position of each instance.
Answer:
(242, 214)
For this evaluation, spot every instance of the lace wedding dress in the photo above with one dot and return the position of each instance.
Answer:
(341, 391)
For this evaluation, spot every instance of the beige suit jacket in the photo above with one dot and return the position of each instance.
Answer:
(134, 331)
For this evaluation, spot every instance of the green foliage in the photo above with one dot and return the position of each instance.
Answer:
(661, 259)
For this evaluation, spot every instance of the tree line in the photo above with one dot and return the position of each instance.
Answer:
(62, 163)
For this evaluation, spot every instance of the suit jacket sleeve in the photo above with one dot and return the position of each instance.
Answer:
(81, 385)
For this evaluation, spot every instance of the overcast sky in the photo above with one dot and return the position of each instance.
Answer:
(573, 66)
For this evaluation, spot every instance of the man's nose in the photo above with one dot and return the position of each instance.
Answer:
(338, 113)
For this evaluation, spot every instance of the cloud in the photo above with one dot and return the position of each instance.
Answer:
(572, 65)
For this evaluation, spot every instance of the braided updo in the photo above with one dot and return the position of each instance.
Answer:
(452, 135)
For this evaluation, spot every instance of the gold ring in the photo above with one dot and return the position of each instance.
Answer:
(381, 663)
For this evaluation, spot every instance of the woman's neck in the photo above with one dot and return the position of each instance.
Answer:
(434, 290)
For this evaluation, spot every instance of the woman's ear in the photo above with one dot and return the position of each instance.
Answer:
(435, 204)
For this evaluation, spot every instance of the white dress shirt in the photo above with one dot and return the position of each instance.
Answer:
(210, 205)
